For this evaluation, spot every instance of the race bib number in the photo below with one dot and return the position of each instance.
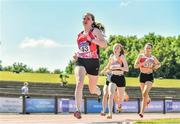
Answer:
(84, 47)
(149, 63)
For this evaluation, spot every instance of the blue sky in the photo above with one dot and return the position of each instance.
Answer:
(42, 33)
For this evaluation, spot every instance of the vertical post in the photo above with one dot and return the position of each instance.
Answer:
(139, 105)
(164, 106)
(114, 106)
(55, 105)
(85, 105)
(23, 104)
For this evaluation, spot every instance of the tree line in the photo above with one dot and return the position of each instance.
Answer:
(19, 67)
(166, 49)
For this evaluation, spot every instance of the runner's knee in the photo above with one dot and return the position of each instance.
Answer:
(79, 85)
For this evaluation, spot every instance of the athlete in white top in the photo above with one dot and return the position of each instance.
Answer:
(116, 67)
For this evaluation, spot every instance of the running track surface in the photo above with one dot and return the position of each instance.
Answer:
(124, 118)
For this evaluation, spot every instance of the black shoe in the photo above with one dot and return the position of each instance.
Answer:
(141, 115)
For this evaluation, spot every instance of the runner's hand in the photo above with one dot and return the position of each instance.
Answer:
(74, 58)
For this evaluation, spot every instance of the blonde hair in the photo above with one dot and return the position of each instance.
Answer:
(149, 44)
(26, 83)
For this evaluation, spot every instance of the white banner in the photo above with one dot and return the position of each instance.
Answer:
(10, 104)
(68, 105)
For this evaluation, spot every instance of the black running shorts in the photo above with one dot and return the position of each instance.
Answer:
(143, 77)
(91, 65)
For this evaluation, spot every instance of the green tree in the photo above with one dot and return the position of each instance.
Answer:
(165, 49)
(57, 71)
(18, 67)
(42, 70)
(1, 68)
(7, 68)
(70, 68)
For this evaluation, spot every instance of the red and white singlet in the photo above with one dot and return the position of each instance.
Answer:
(87, 49)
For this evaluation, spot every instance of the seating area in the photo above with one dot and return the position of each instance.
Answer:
(9, 87)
